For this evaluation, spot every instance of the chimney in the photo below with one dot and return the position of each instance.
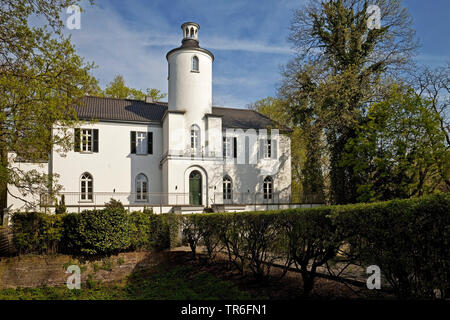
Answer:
(148, 99)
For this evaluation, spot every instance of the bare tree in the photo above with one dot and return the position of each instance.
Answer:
(434, 85)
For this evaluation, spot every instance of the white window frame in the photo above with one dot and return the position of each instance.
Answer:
(195, 65)
(141, 142)
(227, 188)
(86, 140)
(227, 147)
(141, 187)
(195, 138)
(267, 148)
(268, 188)
(86, 183)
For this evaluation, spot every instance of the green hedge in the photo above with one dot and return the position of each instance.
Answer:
(36, 232)
(407, 239)
(94, 232)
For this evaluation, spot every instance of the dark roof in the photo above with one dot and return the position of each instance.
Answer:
(96, 108)
(111, 109)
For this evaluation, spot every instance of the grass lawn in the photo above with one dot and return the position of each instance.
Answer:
(177, 283)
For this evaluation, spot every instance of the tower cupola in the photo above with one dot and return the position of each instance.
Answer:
(190, 31)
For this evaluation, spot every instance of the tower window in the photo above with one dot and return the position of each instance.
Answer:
(195, 67)
(195, 138)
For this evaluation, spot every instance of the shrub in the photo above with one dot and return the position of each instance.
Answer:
(153, 231)
(97, 232)
(141, 230)
(312, 241)
(36, 232)
(407, 239)
(61, 207)
(114, 204)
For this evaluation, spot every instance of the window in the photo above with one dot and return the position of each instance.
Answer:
(229, 147)
(267, 148)
(141, 187)
(268, 188)
(195, 137)
(141, 142)
(86, 140)
(227, 188)
(86, 187)
(195, 67)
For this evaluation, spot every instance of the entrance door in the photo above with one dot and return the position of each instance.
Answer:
(195, 188)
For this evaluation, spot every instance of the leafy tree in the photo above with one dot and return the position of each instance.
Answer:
(118, 89)
(41, 76)
(399, 150)
(337, 73)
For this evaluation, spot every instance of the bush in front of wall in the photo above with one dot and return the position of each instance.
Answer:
(61, 207)
(37, 232)
(96, 232)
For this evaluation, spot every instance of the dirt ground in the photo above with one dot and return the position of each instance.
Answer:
(276, 287)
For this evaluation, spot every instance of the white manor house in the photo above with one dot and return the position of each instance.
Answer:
(181, 156)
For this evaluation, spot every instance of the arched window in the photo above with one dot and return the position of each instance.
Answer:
(141, 187)
(268, 188)
(195, 138)
(86, 187)
(227, 188)
(195, 66)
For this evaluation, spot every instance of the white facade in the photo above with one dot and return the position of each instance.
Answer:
(188, 152)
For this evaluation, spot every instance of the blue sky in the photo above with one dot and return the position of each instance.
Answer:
(248, 39)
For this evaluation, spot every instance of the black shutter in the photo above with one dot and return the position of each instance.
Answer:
(235, 147)
(95, 134)
(150, 142)
(76, 143)
(133, 141)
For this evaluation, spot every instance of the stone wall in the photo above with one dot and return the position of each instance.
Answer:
(50, 270)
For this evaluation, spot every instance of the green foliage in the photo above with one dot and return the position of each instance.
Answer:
(41, 78)
(36, 232)
(114, 204)
(407, 239)
(61, 206)
(97, 232)
(118, 89)
(336, 74)
(153, 231)
(399, 151)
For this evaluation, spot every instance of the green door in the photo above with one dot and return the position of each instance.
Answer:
(195, 188)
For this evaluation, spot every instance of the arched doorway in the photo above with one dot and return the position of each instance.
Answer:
(195, 188)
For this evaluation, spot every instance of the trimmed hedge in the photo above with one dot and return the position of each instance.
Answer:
(36, 232)
(93, 232)
(408, 239)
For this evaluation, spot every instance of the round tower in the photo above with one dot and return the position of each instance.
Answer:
(190, 75)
